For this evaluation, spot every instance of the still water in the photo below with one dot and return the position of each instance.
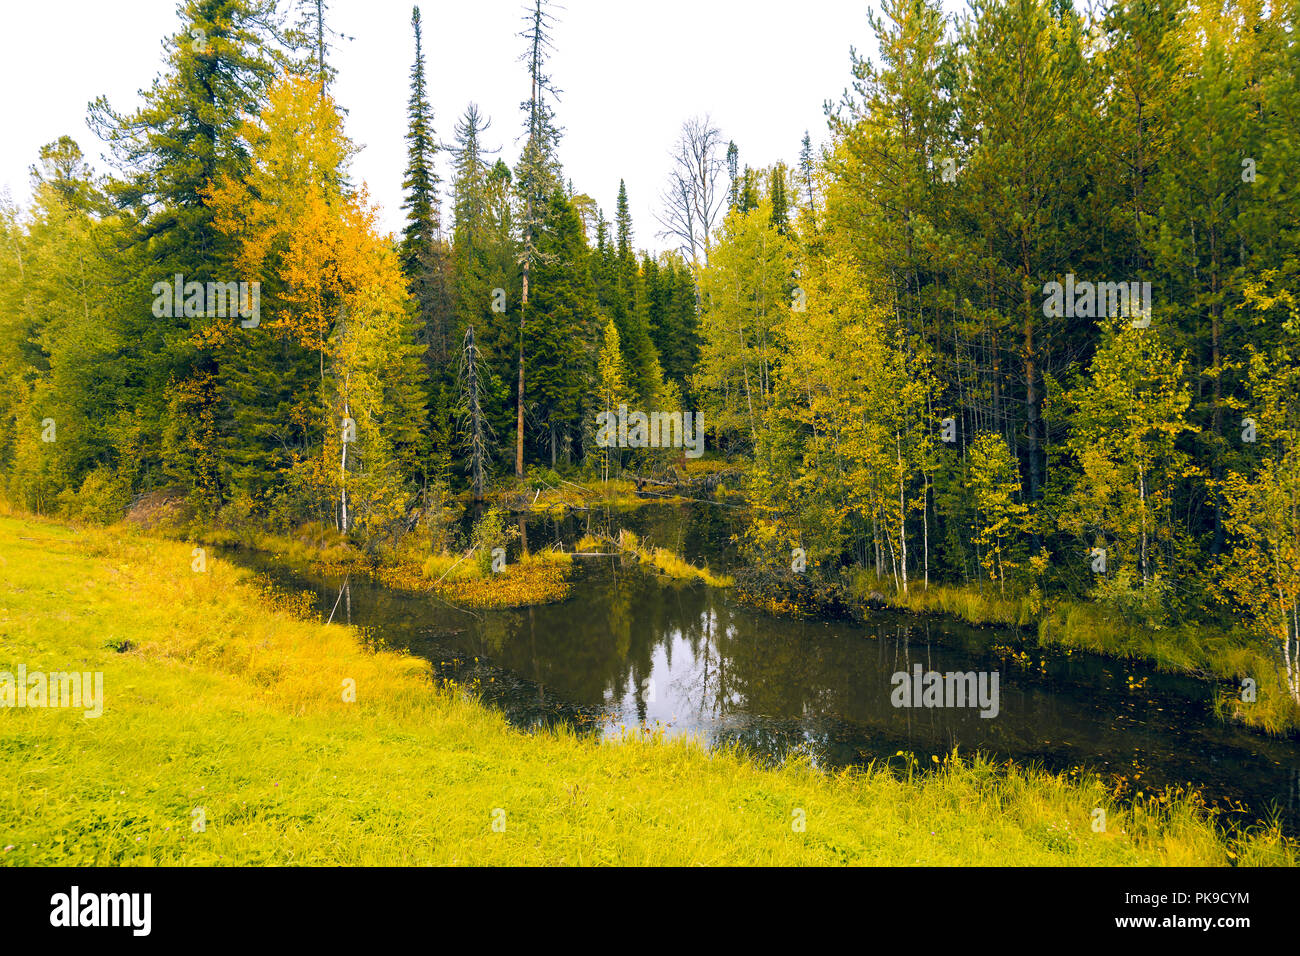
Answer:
(631, 649)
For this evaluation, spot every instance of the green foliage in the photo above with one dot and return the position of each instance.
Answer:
(994, 484)
(489, 533)
(866, 336)
(746, 294)
(1128, 415)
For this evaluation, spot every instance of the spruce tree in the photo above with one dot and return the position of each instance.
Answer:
(806, 170)
(537, 175)
(315, 38)
(733, 173)
(185, 136)
(780, 200)
(423, 254)
(561, 329)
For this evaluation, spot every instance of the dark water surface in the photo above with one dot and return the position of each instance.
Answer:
(630, 649)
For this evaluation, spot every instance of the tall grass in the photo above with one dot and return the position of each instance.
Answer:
(976, 607)
(536, 578)
(667, 561)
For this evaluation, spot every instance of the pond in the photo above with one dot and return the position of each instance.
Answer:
(632, 649)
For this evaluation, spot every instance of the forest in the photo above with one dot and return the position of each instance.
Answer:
(1022, 321)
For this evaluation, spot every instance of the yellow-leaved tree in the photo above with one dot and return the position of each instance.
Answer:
(1261, 572)
(330, 381)
(843, 462)
(745, 290)
(1128, 415)
(999, 510)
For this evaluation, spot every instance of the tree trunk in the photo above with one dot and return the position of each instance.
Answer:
(519, 419)
(343, 469)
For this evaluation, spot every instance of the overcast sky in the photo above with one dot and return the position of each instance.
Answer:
(629, 73)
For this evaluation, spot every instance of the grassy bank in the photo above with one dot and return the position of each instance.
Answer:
(220, 696)
(464, 579)
(661, 559)
(545, 491)
(537, 578)
(1178, 648)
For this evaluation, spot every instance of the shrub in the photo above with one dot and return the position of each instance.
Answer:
(489, 532)
(103, 498)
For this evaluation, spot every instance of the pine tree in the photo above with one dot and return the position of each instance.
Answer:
(424, 255)
(314, 36)
(561, 328)
(780, 200)
(484, 253)
(469, 186)
(185, 136)
(748, 192)
(623, 227)
(733, 174)
(1027, 106)
(629, 308)
(806, 171)
(537, 177)
(1195, 231)
(890, 195)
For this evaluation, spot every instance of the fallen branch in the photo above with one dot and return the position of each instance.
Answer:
(453, 567)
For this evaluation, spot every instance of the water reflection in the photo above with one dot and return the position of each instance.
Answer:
(631, 650)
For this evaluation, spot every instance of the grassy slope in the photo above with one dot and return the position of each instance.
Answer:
(230, 702)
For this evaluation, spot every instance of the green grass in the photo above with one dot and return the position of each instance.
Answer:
(220, 695)
(666, 561)
(536, 578)
(975, 607)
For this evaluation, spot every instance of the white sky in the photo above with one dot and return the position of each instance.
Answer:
(629, 73)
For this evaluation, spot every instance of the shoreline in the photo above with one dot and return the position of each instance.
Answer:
(290, 771)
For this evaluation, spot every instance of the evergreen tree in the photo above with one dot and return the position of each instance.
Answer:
(806, 171)
(1195, 233)
(537, 176)
(185, 135)
(315, 38)
(628, 306)
(423, 253)
(1027, 101)
(780, 200)
(561, 328)
(733, 174)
